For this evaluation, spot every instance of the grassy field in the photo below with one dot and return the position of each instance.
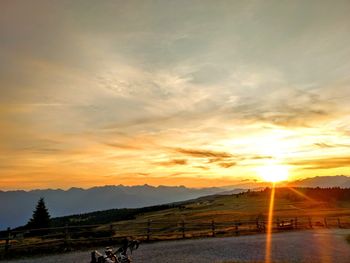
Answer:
(248, 206)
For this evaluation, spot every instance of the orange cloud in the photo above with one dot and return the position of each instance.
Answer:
(324, 163)
(173, 162)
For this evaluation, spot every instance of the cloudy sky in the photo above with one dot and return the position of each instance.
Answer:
(200, 93)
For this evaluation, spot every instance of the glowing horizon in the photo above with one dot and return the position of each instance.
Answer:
(181, 93)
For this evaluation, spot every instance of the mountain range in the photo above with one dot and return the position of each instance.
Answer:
(16, 206)
(323, 182)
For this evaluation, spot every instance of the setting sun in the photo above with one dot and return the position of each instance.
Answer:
(273, 172)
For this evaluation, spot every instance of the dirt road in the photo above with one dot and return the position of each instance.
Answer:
(319, 246)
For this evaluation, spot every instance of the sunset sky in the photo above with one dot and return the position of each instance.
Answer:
(195, 93)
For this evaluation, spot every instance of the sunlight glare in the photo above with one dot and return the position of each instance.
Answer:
(273, 172)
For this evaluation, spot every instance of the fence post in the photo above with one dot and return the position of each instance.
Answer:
(310, 222)
(325, 222)
(66, 235)
(112, 233)
(339, 225)
(183, 229)
(148, 230)
(8, 238)
(213, 228)
(257, 224)
(236, 229)
(296, 222)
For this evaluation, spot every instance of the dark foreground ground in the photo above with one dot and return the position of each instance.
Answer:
(319, 246)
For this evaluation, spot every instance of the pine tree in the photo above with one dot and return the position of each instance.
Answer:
(41, 216)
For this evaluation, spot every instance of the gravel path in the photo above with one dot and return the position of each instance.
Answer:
(319, 246)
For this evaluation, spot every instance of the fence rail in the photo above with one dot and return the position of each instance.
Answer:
(74, 236)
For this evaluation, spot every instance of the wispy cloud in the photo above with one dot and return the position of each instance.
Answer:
(227, 164)
(330, 145)
(325, 163)
(88, 92)
(123, 146)
(202, 153)
(173, 162)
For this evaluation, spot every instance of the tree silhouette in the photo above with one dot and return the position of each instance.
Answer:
(41, 216)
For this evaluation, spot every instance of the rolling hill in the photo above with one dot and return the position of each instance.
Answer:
(16, 206)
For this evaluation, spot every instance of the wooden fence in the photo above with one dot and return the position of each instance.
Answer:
(49, 239)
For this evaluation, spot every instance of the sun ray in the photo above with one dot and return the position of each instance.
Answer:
(269, 225)
(301, 194)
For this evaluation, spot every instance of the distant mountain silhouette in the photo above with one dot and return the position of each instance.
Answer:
(323, 182)
(342, 181)
(16, 207)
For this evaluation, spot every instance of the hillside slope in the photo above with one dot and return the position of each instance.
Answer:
(16, 206)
